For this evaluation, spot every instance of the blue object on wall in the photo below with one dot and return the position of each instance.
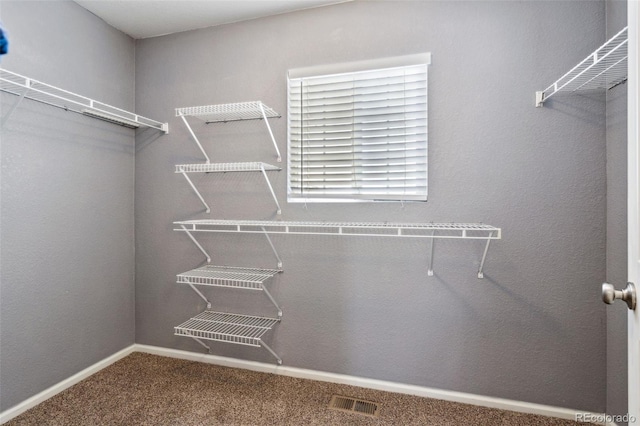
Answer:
(4, 43)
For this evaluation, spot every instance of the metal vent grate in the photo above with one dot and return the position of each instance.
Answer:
(353, 405)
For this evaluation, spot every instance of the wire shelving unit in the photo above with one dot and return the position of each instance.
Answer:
(605, 68)
(220, 326)
(184, 169)
(223, 113)
(433, 231)
(25, 87)
(231, 328)
(232, 277)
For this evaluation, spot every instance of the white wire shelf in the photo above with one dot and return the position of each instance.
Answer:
(230, 328)
(602, 69)
(433, 231)
(227, 276)
(223, 113)
(378, 229)
(225, 167)
(25, 87)
(183, 169)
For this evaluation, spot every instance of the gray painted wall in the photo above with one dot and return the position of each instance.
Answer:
(617, 226)
(532, 330)
(67, 280)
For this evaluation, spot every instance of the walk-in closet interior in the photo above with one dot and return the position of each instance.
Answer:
(182, 194)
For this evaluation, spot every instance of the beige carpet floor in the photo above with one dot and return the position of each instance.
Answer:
(144, 389)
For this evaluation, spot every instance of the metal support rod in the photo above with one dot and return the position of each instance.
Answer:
(273, 194)
(200, 341)
(272, 299)
(196, 191)
(430, 270)
(263, 344)
(199, 293)
(272, 248)
(484, 256)
(273, 139)
(13, 108)
(184, 228)
(186, 123)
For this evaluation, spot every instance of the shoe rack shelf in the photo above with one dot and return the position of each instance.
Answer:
(230, 328)
(232, 277)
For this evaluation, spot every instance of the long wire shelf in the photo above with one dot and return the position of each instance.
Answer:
(605, 68)
(223, 113)
(225, 167)
(25, 87)
(230, 328)
(433, 231)
(379, 229)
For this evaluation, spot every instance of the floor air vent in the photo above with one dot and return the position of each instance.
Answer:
(353, 405)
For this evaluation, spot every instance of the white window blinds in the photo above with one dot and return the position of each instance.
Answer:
(359, 135)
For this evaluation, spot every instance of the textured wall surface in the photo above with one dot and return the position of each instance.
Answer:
(532, 330)
(67, 266)
(617, 226)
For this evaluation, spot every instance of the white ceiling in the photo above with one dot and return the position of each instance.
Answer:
(150, 18)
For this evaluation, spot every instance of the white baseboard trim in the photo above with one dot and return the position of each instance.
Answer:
(301, 373)
(20, 408)
(453, 396)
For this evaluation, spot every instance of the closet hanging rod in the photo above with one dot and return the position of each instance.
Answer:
(26, 87)
(605, 68)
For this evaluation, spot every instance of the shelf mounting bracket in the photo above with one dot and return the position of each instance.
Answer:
(273, 194)
(199, 293)
(484, 256)
(199, 341)
(13, 108)
(195, 138)
(430, 270)
(275, 252)
(272, 300)
(264, 345)
(184, 228)
(196, 191)
(273, 139)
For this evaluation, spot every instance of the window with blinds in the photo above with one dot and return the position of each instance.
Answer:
(359, 136)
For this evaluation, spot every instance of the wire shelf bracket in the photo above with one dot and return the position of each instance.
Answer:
(230, 328)
(224, 113)
(25, 87)
(206, 254)
(603, 69)
(433, 231)
(184, 169)
(232, 277)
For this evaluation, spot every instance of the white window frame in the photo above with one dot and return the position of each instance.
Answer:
(356, 68)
